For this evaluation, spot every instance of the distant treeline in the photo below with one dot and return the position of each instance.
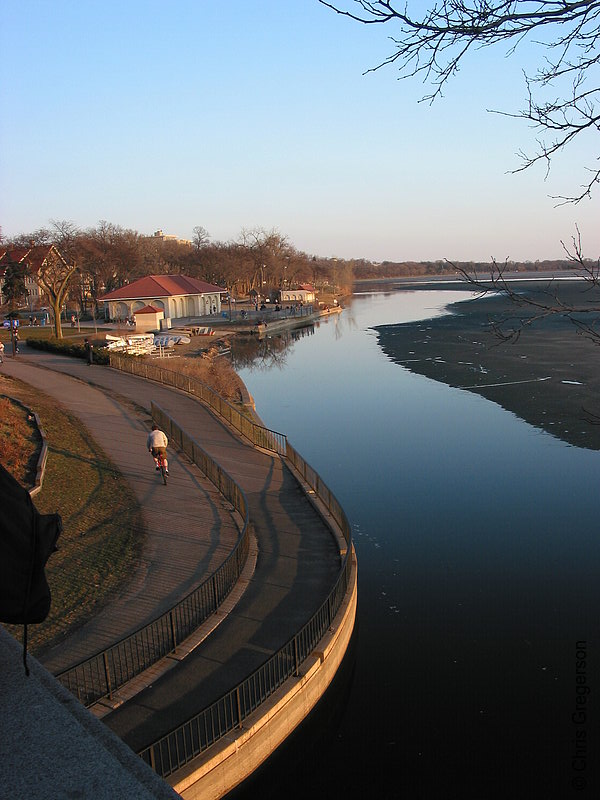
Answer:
(364, 270)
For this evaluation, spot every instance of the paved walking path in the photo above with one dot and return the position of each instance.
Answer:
(189, 528)
(298, 559)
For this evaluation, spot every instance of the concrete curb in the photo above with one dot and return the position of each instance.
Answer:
(41, 465)
(43, 457)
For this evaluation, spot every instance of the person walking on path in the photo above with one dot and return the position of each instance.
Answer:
(157, 444)
(89, 351)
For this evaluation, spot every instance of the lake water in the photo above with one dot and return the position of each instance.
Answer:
(478, 553)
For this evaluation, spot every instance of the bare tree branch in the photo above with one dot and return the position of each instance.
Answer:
(433, 43)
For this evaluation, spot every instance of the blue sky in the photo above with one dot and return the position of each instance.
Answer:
(241, 114)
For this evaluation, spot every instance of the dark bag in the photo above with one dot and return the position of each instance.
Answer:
(27, 540)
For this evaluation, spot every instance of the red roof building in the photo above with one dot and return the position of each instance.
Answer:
(176, 295)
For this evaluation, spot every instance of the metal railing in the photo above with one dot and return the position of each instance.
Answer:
(100, 675)
(257, 434)
(189, 740)
(227, 713)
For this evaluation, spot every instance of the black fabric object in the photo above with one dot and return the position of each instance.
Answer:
(27, 540)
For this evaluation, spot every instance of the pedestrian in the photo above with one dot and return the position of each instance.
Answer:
(89, 351)
(16, 341)
(1, 352)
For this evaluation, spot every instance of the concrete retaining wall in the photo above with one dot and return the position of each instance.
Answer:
(235, 757)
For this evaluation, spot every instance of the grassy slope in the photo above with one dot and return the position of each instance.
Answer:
(103, 531)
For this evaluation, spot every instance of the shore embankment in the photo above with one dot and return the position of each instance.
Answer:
(548, 373)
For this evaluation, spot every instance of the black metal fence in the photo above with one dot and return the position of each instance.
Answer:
(266, 312)
(102, 674)
(257, 434)
(196, 735)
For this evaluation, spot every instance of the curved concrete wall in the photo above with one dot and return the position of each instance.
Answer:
(235, 757)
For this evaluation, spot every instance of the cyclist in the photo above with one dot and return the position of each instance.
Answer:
(157, 444)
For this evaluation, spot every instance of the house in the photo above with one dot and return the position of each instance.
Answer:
(33, 259)
(177, 296)
(303, 294)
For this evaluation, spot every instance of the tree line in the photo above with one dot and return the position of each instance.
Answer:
(108, 256)
(367, 270)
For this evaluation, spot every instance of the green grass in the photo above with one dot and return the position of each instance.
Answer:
(103, 531)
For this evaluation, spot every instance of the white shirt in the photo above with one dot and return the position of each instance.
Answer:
(157, 439)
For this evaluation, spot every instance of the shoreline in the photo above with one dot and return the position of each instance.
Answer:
(549, 376)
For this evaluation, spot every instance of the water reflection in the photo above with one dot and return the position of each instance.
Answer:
(266, 351)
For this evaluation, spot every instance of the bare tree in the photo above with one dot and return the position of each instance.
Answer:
(65, 234)
(269, 252)
(58, 266)
(201, 237)
(560, 102)
(53, 276)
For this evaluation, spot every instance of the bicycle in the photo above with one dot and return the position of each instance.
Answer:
(160, 463)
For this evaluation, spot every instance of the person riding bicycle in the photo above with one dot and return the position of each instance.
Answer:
(157, 444)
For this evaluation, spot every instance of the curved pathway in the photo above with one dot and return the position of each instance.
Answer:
(298, 561)
(188, 527)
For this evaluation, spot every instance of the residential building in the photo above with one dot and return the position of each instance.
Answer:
(169, 237)
(33, 260)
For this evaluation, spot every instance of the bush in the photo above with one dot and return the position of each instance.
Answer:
(212, 370)
(66, 348)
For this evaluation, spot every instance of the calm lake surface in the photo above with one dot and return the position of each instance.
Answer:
(478, 553)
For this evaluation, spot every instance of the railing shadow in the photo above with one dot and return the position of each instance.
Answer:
(100, 675)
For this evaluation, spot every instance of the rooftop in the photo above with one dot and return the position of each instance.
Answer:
(162, 286)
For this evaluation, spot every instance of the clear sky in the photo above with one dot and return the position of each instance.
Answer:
(236, 114)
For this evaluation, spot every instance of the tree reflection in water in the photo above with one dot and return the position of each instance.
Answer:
(264, 351)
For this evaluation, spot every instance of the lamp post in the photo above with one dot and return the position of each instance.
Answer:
(334, 275)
